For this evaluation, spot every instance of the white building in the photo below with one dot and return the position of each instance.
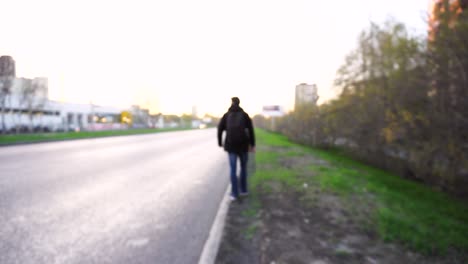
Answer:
(27, 107)
(306, 94)
(76, 117)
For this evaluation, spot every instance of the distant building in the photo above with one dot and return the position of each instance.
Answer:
(306, 94)
(25, 107)
(7, 66)
(157, 121)
(140, 117)
(7, 74)
(41, 85)
(17, 85)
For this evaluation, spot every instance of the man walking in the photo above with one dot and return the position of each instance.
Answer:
(239, 140)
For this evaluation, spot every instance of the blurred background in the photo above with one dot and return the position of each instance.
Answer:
(385, 79)
(169, 57)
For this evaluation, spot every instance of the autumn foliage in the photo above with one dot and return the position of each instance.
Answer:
(403, 103)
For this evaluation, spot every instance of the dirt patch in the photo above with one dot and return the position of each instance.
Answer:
(285, 232)
(282, 225)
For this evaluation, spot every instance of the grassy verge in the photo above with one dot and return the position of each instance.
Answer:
(267, 160)
(43, 137)
(403, 211)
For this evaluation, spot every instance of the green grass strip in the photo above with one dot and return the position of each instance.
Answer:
(272, 139)
(408, 212)
(45, 137)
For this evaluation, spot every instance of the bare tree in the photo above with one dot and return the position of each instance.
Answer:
(7, 76)
(5, 90)
(33, 98)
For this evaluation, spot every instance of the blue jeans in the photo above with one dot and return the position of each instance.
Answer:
(243, 157)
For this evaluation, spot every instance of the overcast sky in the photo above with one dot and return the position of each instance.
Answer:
(171, 55)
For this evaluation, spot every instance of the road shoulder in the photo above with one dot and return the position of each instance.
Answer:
(210, 249)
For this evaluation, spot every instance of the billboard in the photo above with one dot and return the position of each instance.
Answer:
(272, 111)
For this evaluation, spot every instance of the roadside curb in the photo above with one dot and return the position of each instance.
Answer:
(211, 247)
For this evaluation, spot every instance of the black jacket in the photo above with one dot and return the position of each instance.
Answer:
(232, 144)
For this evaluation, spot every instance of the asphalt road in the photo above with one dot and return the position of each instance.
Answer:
(133, 199)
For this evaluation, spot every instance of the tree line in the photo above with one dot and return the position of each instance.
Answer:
(403, 103)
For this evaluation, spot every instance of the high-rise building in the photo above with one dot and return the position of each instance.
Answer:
(7, 74)
(7, 67)
(306, 94)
